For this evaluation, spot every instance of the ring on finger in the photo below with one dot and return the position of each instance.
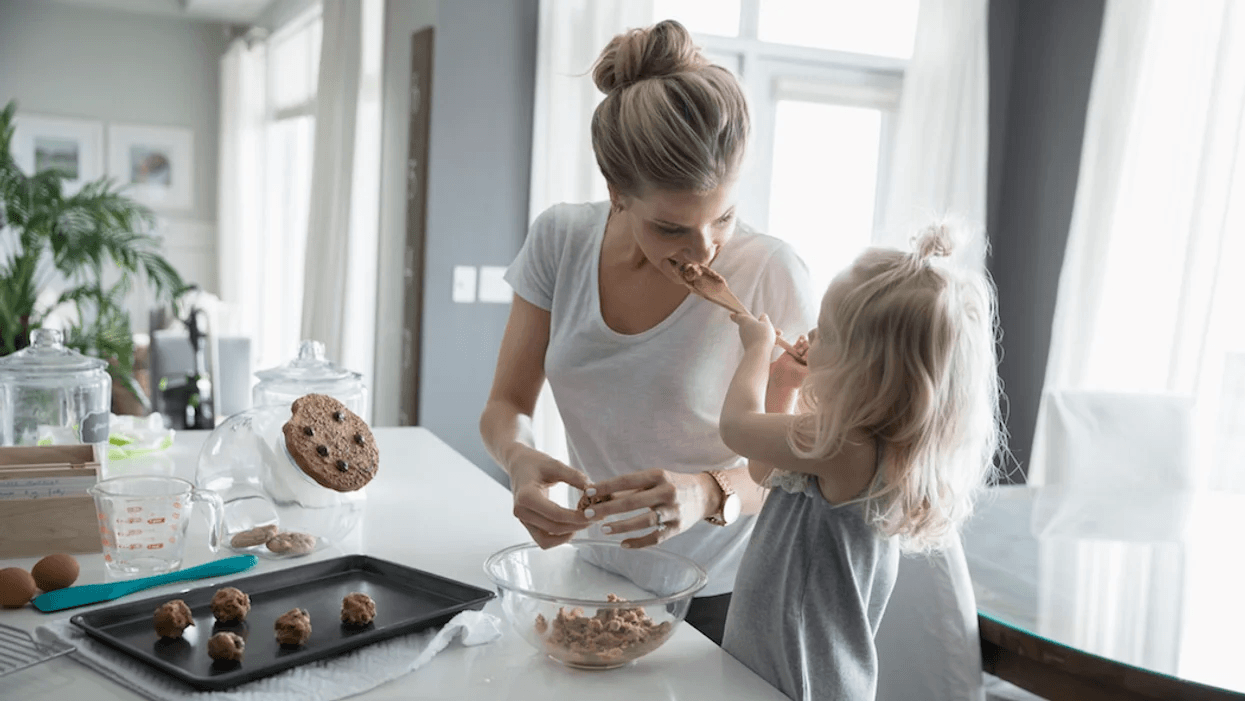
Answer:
(658, 522)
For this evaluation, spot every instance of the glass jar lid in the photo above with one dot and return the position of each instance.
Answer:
(47, 355)
(311, 368)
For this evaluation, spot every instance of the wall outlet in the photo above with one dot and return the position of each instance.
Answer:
(464, 284)
(493, 286)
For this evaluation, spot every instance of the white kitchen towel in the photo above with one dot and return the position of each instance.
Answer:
(334, 678)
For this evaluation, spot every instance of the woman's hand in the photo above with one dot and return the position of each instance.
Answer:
(673, 503)
(532, 473)
(755, 332)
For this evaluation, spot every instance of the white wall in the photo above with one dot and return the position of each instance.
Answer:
(73, 61)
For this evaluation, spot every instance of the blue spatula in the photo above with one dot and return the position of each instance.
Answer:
(72, 597)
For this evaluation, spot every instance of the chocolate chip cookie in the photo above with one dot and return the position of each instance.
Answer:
(255, 536)
(331, 443)
(290, 543)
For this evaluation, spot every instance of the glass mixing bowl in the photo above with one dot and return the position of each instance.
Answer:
(245, 461)
(592, 604)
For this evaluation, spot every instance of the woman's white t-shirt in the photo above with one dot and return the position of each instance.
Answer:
(652, 400)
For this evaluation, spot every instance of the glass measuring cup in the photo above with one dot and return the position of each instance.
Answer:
(143, 520)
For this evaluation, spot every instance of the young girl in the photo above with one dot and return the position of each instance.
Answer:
(896, 432)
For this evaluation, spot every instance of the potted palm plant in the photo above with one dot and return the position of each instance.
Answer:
(52, 240)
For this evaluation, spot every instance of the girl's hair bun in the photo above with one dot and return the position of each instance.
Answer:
(934, 242)
(664, 49)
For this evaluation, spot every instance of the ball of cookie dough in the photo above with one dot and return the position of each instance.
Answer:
(293, 627)
(587, 501)
(230, 605)
(226, 647)
(255, 536)
(172, 618)
(290, 543)
(358, 609)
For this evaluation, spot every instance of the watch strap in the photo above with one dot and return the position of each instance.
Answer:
(717, 517)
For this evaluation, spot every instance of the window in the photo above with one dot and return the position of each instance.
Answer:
(876, 28)
(293, 62)
(823, 79)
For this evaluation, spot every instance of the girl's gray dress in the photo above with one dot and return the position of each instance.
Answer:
(810, 593)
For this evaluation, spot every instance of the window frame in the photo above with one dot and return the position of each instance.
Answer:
(770, 72)
(301, 23)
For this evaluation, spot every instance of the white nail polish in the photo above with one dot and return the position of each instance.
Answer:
(590, 513)
(606, 529)
(591, 491)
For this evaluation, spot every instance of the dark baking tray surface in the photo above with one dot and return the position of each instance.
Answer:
(407, 600)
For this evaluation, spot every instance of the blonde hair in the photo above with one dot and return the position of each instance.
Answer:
(907, 357)
(670, 118)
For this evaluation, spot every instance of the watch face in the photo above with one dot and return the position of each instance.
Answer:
(731, 507)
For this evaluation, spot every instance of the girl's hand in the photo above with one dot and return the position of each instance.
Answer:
(673, 503)
(531, 474)
(787, 374)
(754, 332)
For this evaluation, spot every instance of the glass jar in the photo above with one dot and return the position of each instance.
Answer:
(311, 373)
(245, 461)
(50, 394)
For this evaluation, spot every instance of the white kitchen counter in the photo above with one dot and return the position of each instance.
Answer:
(432, 509)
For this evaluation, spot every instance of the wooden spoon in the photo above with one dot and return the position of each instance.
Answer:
(708, 283)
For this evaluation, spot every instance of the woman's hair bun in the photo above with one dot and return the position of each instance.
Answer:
(934, 242)
(665, 48)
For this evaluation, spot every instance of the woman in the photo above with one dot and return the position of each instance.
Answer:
(639, 369)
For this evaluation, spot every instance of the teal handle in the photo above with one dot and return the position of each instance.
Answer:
(216, 568)
(71, 597)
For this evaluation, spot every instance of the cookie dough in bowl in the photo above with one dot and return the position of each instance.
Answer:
(592, 604)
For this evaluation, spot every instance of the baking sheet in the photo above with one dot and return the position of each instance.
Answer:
(407, 600)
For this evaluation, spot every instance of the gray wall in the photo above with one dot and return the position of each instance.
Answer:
(479, 168)
(1042, 57)
(73, 61)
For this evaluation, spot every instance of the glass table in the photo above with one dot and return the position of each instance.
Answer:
(1106, 594)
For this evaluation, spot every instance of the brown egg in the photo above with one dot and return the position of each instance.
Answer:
(55, 572)
(16, 587)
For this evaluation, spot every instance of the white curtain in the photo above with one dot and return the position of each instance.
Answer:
(264, 184)
(928, 644)
(241, 174)
(240, 191)
(339, 288)
(938, 166)
(571, 34)
(1148, 301)
(1147, 319)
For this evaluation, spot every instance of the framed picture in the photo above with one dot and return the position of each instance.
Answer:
(156, 164)
(75, 147)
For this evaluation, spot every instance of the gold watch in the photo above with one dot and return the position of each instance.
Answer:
(731, 503)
